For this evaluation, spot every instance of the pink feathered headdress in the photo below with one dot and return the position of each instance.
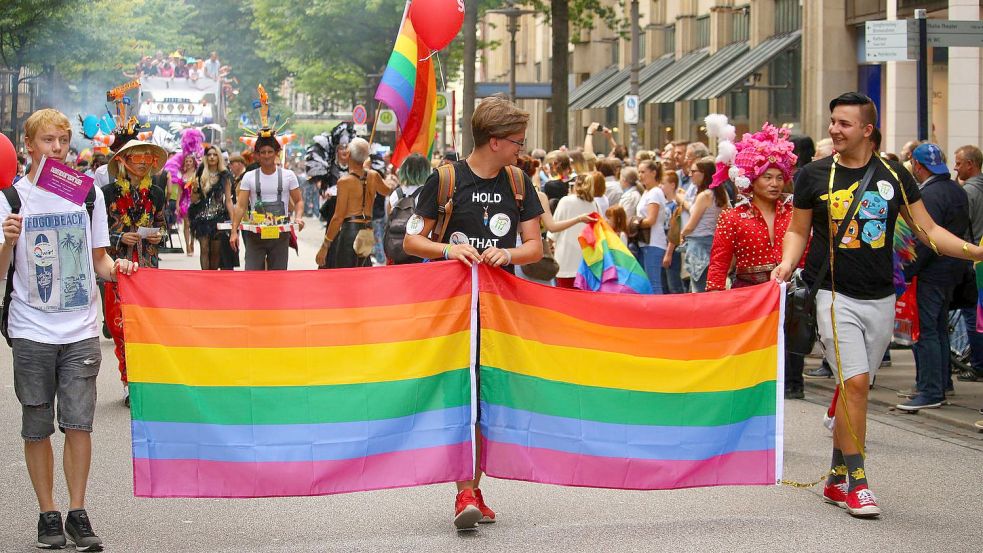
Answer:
(753, 155)
(192, 144)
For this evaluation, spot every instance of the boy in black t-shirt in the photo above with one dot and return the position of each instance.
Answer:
(860, 274)
(483, 227)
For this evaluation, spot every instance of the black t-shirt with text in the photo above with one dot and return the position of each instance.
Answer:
(863, 262)
(485, 212)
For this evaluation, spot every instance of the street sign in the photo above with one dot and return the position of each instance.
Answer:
(387, 120)
(361, 129)
(359, 115)
(631, 110)
(889, 41)
(443, 104)
(946, 33)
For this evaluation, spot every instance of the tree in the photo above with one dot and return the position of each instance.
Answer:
(24, 26)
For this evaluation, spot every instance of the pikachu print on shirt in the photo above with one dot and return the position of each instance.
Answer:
(870, 226)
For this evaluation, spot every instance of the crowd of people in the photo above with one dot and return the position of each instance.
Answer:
(764, 208)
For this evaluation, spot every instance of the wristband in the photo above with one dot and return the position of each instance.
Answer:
(508, 253)
(447, 249)
(966, 249)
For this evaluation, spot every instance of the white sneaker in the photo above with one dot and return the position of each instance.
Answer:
(126, 395)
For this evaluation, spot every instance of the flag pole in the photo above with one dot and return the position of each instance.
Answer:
(375, 122)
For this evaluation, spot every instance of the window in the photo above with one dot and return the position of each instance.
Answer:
(785, 70)
(738, 104)
(700, 109)
(615, 52)
(669, 46)
(742, 24)
(703, 31)
(788, 16)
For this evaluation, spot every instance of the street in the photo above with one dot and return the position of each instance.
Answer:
(926, 475)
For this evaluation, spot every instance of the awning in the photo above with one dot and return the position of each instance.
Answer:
(689, 80)
(678, 67)
(578, 98)
(619, 89)
(731, 77)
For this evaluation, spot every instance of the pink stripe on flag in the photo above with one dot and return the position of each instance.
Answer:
(197, 478)
(548, 466)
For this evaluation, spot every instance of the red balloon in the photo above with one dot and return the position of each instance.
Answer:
(437, 21)
(8, 162)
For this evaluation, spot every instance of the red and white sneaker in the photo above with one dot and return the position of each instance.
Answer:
(836, 494)
(860, 502)
(487, 515)
(466, 511)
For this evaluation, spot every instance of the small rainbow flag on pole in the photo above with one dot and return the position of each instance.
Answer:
(607, 265)
(409, 88)
(629, 392)
(248, 385)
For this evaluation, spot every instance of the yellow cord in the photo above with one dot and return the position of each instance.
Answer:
(795, 484)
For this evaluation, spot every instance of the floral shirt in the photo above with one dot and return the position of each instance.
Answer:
(743, 232)
(131, 208)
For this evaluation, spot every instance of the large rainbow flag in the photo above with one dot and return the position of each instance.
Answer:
(409, 88)
(607, 265)
(254, 384)
(619, 391)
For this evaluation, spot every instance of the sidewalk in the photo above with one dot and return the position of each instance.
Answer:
(961, 409)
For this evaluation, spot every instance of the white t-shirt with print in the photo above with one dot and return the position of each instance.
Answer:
(55, 298)
(657, 237)
(268, 184)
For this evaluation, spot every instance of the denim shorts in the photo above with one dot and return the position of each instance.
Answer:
(44, 373)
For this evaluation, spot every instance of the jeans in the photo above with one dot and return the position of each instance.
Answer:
(652, 262)
(379, 231)
(671, 276)
(793, 371)
(975, 338)
(932, 348)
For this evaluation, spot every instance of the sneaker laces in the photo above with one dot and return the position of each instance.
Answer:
(82, 525)
(52, 523)
(866, 497)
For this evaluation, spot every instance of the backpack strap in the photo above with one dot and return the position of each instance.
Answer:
(447, 179)
(13, 198)
(399, 193)
(90, 203)
(518, 185)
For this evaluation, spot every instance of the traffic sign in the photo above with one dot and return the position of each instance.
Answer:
(443, 104)
(889, 41)
(947, 33)
(359, 115)
(387, 120)
(631, 110)
(361, 129)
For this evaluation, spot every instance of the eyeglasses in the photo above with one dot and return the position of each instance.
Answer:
(142, 158)
(520, 144)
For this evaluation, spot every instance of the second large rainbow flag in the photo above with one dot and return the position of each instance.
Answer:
(630, 392)
(298, 383)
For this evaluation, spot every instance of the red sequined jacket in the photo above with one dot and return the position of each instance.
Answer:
(742, 232)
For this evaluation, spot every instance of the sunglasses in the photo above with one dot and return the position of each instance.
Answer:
(149, 159)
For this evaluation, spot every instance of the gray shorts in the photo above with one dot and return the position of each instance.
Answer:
(46, 372)
(864, 329)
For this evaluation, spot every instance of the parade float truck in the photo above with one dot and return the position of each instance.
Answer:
(165, 102)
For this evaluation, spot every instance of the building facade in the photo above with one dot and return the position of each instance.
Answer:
(779, 61)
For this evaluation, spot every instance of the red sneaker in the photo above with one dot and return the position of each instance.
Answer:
(860, 502)
(487, 515)
(466, 511)
(836, 494)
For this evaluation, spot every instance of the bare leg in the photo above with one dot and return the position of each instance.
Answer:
(855, 396)
(78, 458)
(472, 484)
(186, 224)
(41, 468)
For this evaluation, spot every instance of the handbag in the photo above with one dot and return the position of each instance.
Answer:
(800, 298)
(546, 268)
(906, 328)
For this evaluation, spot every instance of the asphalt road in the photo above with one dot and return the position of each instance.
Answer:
(927, 479)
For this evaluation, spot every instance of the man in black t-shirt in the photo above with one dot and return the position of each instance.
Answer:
(483, 228)
(860, 274)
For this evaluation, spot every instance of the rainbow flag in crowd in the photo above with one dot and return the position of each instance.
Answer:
(607, 265)
(630, 392)
(255, 384)
(409, 88)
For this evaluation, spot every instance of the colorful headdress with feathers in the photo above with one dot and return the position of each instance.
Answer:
(744, 161)
(266, 134)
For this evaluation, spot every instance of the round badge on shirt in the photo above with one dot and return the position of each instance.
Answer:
(414, 225)
(886, 190)
(458, 238)
(500, 224)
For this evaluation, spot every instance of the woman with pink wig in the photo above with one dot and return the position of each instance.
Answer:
(182, 167)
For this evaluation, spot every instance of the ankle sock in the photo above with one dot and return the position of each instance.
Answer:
(837, 468)
(855, 469)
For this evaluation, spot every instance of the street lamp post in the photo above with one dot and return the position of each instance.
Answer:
(512, 14)
(634, 86)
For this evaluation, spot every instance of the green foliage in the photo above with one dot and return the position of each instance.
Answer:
(585, 14)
